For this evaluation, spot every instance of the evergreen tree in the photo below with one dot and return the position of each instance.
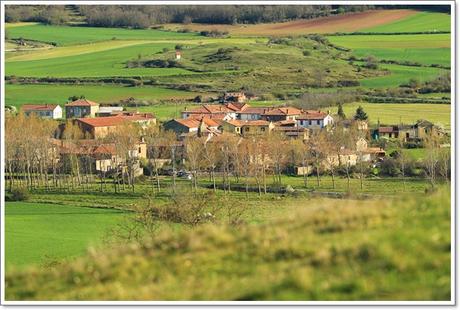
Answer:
(340, 112)
(360, 114)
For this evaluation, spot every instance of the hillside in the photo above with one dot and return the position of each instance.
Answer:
(393, 250)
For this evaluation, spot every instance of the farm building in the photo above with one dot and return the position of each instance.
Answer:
(239, 97)
(53, 111)
(81, 108)
(407, 133)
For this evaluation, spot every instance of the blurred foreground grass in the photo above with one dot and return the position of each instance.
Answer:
(338, 250)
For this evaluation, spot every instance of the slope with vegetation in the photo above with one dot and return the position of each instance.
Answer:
(396, 250)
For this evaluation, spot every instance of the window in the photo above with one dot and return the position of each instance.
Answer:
(309, 122)
(318, 122)
(140, 150)
(246, 129)
(262, 129)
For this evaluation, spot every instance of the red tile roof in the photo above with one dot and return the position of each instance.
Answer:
(81, 102)
(256, 123)
(256, 110)
(284, 111)
(312, 114)
(386, 129)
(108, 121)
(39, 107)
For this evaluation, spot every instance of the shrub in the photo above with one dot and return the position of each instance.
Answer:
(18, 194)
(306, 53)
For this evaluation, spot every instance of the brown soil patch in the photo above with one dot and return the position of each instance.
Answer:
(331, 24)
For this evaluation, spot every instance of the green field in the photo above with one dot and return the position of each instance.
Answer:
(18, 95)
(394, 113)
(98, 64)
(399, 75)
(319, 250)
(42, 233)
(425, 48)
(423, 21)
(68, 35)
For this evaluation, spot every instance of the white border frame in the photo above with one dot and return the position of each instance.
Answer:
(454, 11)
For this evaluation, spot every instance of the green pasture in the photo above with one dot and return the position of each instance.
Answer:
(42, 233)
(108, 63)
(17, 95)
(423, 21)
(398, 75)
(394, 113)
(424, 49)
(71, 35)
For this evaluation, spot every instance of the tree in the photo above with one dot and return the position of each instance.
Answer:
(193, 150)
(360, 114)
(431, 143)
(340, 112)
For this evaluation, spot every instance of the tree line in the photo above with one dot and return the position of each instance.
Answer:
(144, 16)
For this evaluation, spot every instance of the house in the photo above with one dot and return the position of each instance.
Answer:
(231, 126)
(53, 111)
(252, 113)
(100, 127)
(108, 111)
(407, 133)
(260, 127)
(178, 55)
(351, 123)
(81, 108)
(313, 119)
(234, 97)
(281, 114)
(187, 127)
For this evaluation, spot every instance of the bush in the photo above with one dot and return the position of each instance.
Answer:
(17, 194)
(306, 53)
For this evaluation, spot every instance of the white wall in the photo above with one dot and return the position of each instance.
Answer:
(57, 113)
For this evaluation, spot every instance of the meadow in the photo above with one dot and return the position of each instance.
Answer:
(70, 35)
(394, 113)
(18, 94)
(40, 234)
(316, 252)
(420, 22)
(399, 75)
(413, 48)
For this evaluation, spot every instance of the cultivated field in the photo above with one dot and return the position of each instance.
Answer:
(331, 24)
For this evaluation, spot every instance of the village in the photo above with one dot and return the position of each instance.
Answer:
(110, 142)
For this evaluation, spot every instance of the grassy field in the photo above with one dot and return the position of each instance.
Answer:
(422, 21)
(42, 233)
(425, 48)
(67, 35)
(394, 113)
(98, 64)
(321, 250)
(399, 75)
(18, 95)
